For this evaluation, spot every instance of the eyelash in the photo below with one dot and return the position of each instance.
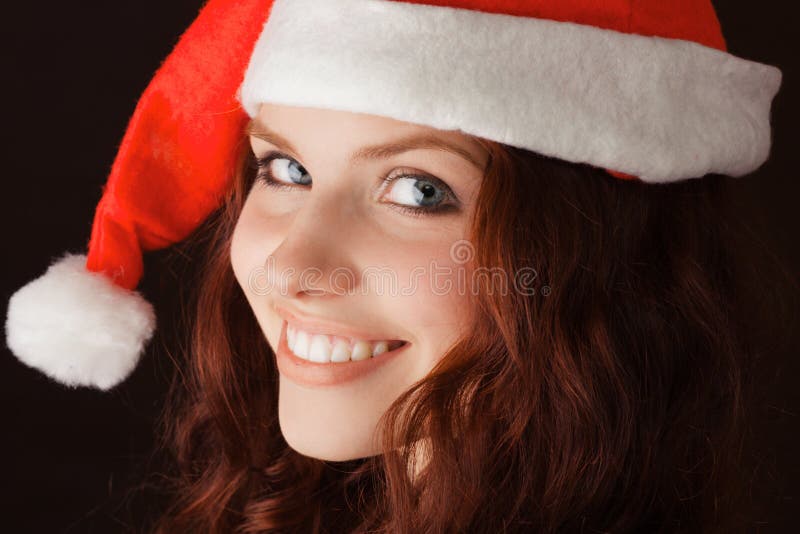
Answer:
(264, 176)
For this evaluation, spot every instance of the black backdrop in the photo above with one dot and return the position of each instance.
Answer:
(72, 74)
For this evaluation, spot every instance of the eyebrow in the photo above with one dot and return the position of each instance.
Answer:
(380, 151)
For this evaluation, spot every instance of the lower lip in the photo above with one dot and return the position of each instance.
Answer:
(308, 373)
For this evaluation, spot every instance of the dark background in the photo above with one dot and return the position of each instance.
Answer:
(72, 459)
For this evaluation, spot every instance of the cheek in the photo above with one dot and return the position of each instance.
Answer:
(432, 300)
(253, 239)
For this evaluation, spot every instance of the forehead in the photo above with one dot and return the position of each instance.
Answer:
(297, 124)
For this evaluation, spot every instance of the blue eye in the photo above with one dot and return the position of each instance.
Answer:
(415, 192)
(412, 194)
(278, 170)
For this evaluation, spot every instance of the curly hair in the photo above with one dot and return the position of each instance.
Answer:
(615, 401)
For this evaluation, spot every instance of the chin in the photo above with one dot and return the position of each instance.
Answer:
(318, 433)
(313, 450)
(308, 443)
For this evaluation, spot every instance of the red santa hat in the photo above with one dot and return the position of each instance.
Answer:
(645, 90)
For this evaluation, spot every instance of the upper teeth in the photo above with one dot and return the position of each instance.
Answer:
(323, 348)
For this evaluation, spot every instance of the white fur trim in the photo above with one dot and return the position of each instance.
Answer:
(661, 109)
(77, 326)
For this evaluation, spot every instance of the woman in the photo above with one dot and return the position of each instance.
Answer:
(564, 347)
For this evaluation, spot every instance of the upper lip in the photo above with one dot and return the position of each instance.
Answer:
(318, 325)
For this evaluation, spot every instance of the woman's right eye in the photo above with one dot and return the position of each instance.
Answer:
(279, 170)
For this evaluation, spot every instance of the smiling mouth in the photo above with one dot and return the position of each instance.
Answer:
(325, 348)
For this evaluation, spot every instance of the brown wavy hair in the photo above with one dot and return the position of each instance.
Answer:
(615, 399)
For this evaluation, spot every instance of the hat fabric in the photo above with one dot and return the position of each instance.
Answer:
(579, 83)
(644, 89)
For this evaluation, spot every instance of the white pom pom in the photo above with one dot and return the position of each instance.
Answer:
(77, 326)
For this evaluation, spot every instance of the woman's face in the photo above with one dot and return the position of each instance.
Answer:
(348, 251)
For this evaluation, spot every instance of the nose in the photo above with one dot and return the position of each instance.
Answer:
(315, 257)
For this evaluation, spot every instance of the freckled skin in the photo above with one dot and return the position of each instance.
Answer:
(340, 223)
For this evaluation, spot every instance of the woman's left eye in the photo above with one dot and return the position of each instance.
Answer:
(419, 194)
(414, 194)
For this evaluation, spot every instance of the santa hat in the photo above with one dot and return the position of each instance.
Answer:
(645, 90)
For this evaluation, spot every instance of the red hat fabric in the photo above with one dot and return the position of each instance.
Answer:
(643, 89)
(81, 322)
